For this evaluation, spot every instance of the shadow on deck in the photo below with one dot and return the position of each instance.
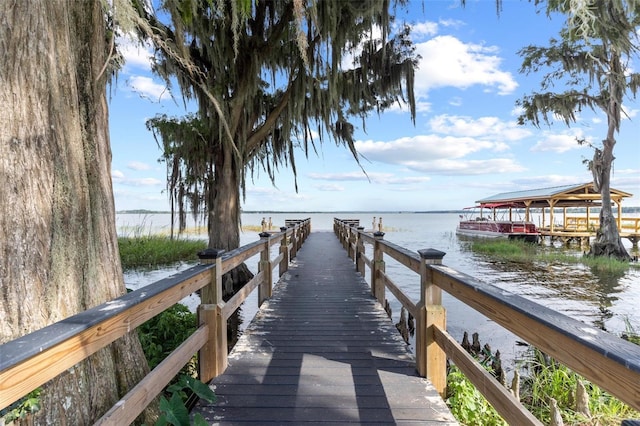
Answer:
(322, 350)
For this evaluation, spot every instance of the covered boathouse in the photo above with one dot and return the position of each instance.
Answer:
(579, 206)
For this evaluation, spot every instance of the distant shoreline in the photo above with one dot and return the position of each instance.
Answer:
(628, 209)
(305, 212)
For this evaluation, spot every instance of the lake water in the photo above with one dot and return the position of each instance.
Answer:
(602, 300)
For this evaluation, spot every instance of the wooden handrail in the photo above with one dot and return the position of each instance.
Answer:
(606, 360)
(32, 360)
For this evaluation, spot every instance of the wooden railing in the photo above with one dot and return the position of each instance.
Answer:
(34, 359)
(582, 223)
(606, 360)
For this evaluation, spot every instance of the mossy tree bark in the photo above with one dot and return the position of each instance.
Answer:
(58, 241)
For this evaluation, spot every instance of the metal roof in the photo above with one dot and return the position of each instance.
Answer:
(574, 194)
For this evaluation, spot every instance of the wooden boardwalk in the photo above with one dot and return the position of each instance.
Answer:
(323, 351)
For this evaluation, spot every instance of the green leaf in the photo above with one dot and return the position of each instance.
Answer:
(198, 420)
(202, 390)
(175, 410)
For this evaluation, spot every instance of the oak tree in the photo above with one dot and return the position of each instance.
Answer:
(592, 59)
(271, 79)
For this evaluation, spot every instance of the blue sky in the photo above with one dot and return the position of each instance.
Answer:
(465, 145)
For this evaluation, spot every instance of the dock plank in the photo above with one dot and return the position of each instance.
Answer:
(323, 351)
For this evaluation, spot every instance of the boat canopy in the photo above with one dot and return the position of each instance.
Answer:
(496, 206)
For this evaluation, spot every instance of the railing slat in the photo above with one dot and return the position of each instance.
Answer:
(237, 257)
(22, 377)
(242, 294)
(406, 257)
(498, 396)
(610, 362)
(126, 410)
(402, 298)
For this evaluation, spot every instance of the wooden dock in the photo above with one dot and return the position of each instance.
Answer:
(323, 351)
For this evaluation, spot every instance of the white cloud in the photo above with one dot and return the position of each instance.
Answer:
(135, 54)
(626, 180)
(629, 113)
(424, 29)
(350, 176)
(446, 151)
(447, 61)
(330, 188)
(483, 127)
(423, 148)
(373, 177)
(137, 165)
(490, 166)
(550, 181)
(559, 142)
(148, 88)
(118, 177)
(143, 182)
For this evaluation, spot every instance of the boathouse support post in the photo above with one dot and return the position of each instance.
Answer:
(284, 251)
(360, 251)
(431, 359)
(264, 290)
(377, 266)
(212, 357)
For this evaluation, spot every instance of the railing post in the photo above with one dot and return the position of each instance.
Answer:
(302, 234)
(212, 357)
(377, 285)
(284, 251)
(294, 242)
(431, 359)
(353, 233)
(264, 290)
(360, 251)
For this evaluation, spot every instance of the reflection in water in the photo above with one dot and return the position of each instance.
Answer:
(607, 287)
(584, 293)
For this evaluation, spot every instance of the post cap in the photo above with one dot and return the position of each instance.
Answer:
(264, 235)
(431, 254)
(360, 228)
(283, 228)
(378, 234)
(210, 253)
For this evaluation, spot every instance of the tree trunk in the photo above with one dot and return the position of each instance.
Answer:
(224, 230)
(224, 217)
(608, 241)
(58, 241)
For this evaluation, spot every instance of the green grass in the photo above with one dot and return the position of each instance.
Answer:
(522, 252)
(466, 402)
(548, 379)
(156, 250)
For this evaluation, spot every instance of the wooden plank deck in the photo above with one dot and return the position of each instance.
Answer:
(323, 351)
